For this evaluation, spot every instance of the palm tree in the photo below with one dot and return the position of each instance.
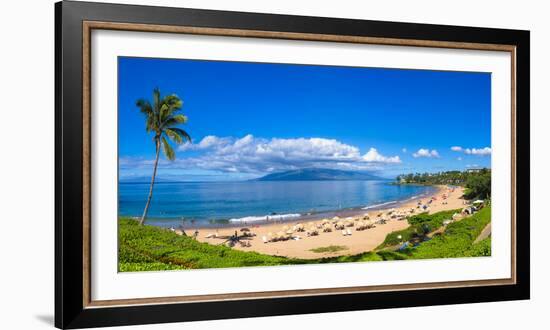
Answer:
(161, 118)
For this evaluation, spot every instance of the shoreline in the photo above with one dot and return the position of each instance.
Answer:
(357, 242)
(343, 213)
(287, 218)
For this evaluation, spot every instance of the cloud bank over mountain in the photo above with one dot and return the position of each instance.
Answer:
(250, 154)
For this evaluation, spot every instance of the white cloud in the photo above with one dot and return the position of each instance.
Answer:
(212, 141)
(250, 154)
(374, 156)
(426, 153)
(459, 158)
(209, 141)
(479, 152)
(473, 151)
(404, 150)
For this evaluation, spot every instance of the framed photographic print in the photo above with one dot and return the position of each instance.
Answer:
(216, 165)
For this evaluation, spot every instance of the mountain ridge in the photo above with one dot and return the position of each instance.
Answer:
(318, 174)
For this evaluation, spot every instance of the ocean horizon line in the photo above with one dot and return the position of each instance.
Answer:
(247, 180)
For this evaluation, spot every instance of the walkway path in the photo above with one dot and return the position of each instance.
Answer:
(486, 232)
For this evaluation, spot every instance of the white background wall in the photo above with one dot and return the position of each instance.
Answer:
(27, 162)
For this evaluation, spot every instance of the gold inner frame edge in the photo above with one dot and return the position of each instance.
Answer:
(88, 26)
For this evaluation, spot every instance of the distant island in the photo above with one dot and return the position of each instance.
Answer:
(318, 174)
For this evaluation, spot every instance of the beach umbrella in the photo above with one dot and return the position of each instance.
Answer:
(245, 229)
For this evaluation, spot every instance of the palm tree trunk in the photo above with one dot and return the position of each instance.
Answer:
(142, 221)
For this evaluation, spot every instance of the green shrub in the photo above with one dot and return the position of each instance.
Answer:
(421, 224)
(330, 248)
(457, 240)
(149, 248)
(478, 186)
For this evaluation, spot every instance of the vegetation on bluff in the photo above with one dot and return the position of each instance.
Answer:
(457, 240)
(477, 182)
(145, 248)
(421, 225)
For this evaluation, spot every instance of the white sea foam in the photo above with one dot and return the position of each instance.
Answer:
(377, 205)
(271, 217)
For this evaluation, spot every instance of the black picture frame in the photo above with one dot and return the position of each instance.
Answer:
(70, 310)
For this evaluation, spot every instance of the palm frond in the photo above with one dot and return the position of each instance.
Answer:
(173, 101)
(156, 100)
(174, 120)
(144, 106)
(150, 124)
(161, 119)
(177, 135)
(170, 104)
(164, 110)
(167, 149)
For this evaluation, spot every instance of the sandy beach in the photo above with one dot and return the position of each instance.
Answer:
(357, 242)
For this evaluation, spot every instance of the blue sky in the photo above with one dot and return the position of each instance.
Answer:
(250, 119)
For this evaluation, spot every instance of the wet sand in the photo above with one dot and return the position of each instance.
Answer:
(357, 242)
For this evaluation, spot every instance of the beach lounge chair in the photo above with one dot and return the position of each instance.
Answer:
(312, 232)
(344, 233)
(298, 227)
(209, 235)
(264, 238)
(348, 231)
